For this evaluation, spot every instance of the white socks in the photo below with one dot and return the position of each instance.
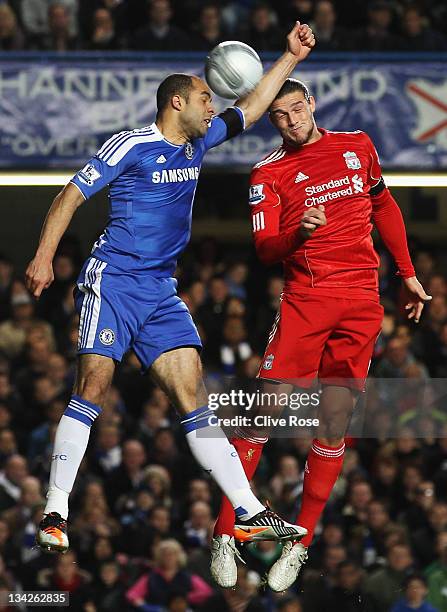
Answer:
(219, 458)
(70, 444)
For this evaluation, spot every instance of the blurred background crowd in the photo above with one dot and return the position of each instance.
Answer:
(198, 25)
(142, 512)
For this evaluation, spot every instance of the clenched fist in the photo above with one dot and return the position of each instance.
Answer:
(311, 219)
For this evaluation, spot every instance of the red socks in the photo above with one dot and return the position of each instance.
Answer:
(250, 453)
(322, 469)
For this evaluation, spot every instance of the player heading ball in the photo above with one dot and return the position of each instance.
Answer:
(126, 294)
(330, 314)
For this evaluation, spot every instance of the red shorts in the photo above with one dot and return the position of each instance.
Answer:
(329, 337)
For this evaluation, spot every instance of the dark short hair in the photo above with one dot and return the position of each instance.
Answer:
(292, 85)
(174, 84)
(414, 576)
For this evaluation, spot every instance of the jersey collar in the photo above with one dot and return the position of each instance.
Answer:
(154, 127)
(307, 147)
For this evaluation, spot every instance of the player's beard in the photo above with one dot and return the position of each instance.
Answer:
(301, 137)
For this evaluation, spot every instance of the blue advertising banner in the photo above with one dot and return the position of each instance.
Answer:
(58, 114)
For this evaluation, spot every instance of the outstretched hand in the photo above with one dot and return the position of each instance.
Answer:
(416, 298)
(300, 41)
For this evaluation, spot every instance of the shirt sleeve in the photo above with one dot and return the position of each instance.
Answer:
(375, 178)
(114, 158)
(387, 216)
(265, 202)
(227, 125)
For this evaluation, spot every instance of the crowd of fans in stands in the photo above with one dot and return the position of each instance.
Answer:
(142, 512)
(198, 25)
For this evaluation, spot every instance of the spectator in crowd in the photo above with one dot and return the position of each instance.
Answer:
(262, 32)
(397, 359)
(324, 25)
(198, 525)
(377, 526)
(424, 265)
(67, 576)
(153, 418)
(6, 279)
(210, 30)
(436, 574)
(355, 510)
(30, 497)
(13, 331)
(384, 585)
(235, 346)
(108, 592)
(103, 36)
(11, 479)
(158, 480)
(128, 475)
(415, 512)
(236, 279)
(35, 16)
(8, 445)
(159, 34)
(212, 313)
(64, 277)
(377, 35)
(427, 341)
(107, 453)
(415, 589)
(59, 36)
(11, 39)
(168, 578)
(245, 596)
(295, 10)
(348, 593)
(424, 539)
(416, 35)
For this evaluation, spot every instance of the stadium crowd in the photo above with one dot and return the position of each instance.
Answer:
(198, 25)
(142, 512)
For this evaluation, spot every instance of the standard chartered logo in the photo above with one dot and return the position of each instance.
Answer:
(357, 182)
(329, 191)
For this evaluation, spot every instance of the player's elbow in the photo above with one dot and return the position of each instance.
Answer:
(70, 197)
(248, 107)
(266, 257)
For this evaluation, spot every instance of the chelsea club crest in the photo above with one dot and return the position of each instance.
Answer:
(189, 150)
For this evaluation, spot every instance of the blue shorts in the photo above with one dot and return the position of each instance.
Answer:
(119, 311)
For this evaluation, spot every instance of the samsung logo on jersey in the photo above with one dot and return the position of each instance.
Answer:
(176, 175)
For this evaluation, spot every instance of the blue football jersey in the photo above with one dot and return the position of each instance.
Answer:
(152, 185)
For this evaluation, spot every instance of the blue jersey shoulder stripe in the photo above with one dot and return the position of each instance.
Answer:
(109, 142)
(123, 148)
(112, 150)
(115, 140)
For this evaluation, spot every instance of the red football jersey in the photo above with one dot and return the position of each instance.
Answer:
(337, 171)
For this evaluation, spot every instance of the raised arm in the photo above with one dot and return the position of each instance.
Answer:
(300, 42)
(39, 274)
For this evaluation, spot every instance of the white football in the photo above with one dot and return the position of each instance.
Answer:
(232, 69)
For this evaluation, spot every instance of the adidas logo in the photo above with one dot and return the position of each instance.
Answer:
(301, 177)
(161, 159)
